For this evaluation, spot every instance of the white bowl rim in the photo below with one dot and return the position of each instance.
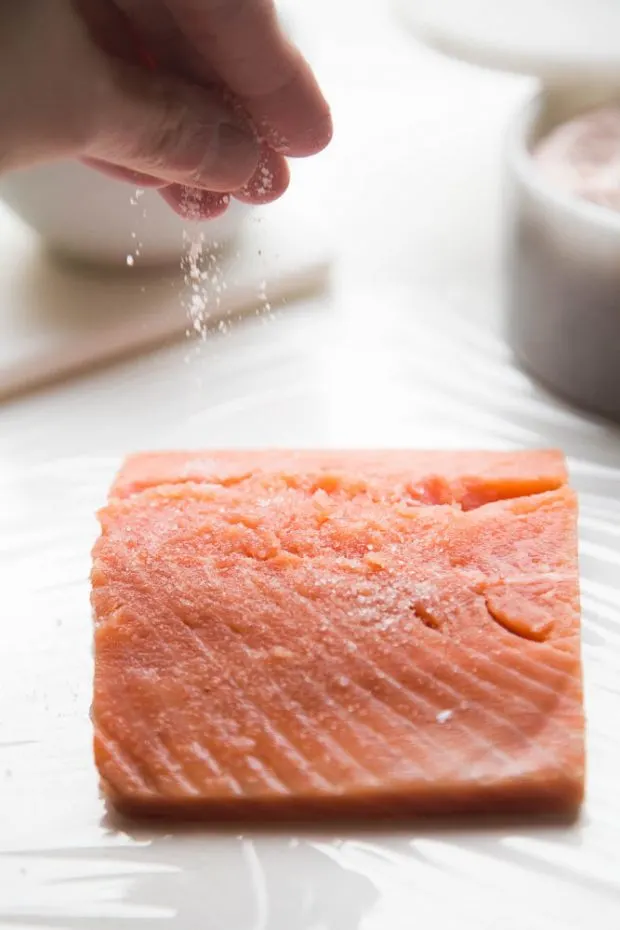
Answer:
(519, 157)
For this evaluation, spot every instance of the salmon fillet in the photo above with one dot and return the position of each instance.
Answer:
(292, 632)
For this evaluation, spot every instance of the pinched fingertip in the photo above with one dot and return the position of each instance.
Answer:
(195, 204)
(269, 181)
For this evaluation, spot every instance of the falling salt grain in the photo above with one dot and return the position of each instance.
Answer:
(130, 260)
(139, 191)
(198, 305)
(444, 715)
(265, 184)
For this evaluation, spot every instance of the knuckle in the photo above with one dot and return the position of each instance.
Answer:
(165, 139)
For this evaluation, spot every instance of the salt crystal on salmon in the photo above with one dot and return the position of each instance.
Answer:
(282, 632)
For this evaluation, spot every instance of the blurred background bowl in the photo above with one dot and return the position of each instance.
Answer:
(562, 264)
(87, 216)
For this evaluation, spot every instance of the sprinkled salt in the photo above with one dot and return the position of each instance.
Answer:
(204, 275)
(254, 764)
(443, 716)
(279, 652)
(138, 243)
(196, 304)
(265, 184)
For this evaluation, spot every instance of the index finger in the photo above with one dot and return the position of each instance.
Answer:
(243, 41)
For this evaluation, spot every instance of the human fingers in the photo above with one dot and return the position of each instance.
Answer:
(161, 126)
(241, 43)
(193, 204)
(269, 181)
(124, 174)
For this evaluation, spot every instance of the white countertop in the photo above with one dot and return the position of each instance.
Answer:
(406, 350)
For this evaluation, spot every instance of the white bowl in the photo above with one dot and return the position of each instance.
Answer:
(562, 253)
(87, 216)
(562, 265)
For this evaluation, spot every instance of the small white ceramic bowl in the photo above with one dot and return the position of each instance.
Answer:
(87, 216)
(562, 265)
(562, 253)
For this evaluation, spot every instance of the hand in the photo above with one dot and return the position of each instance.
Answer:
(200, 98)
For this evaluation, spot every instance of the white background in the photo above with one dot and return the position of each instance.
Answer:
(406, 350)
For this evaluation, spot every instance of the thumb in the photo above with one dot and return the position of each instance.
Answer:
(166, 127)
